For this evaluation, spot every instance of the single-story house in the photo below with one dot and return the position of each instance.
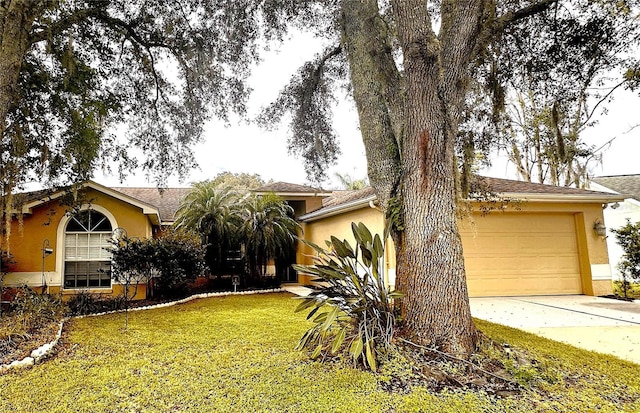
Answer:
(617, 215)
(545, 243)
(58, 239)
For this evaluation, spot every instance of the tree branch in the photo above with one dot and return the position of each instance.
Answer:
(500, 23)
(513, 16)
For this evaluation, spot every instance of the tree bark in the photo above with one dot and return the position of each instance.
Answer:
(16, 20)
(377, 92)
(430, 262)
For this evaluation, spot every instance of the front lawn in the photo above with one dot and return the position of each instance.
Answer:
(236, 354)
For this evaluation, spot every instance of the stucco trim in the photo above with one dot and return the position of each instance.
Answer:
(600, 272)
(29, 278)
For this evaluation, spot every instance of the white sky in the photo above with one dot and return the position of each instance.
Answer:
(247, 148)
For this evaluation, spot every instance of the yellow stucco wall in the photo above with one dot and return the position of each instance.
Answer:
(48, 221)
(591, 276)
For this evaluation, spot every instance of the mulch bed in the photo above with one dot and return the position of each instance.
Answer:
(438, 372)
(17, 347)
(617, 297)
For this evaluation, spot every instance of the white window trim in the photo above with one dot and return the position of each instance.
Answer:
(60, 239)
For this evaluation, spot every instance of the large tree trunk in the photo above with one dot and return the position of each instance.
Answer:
(377, 91)
(408, 128)
(16, 19)
(430, 262)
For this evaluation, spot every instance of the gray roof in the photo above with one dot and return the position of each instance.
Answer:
(481, 184)
(508, 186)
(628, 185)
(286, 187)
(167, 200)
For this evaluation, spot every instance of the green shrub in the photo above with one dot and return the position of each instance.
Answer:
(85, 302)
(627, 289)
(29, 311)
(171, 261)
(359, 315)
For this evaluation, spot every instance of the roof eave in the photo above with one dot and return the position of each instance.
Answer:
(338, 209)
(558, 198)
(529, 197)
(302, 194)
(147, 209)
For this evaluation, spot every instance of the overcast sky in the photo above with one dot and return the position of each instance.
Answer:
(247, 148)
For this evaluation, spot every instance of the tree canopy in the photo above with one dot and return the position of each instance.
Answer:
(70, 70)
(431, 81)
(555, 73)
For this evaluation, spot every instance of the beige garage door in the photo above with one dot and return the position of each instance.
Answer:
(521, 254)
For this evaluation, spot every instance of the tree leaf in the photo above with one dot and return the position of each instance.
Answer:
(356, 347)
(331, 316)
(370, 355)
(341, 248)
(316, 352)
(338, 340)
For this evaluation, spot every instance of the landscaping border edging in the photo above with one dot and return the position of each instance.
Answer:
(44, 350)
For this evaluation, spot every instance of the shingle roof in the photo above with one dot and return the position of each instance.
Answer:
(285, 187)
(622, 184)
(167, 200)
(39, 195)
(344, 197)
(508, 186)
(480, 184)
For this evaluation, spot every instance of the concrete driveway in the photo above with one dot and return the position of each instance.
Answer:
(592, 323)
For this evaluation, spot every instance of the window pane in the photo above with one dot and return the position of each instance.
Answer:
(77, 224)
(87, 262)
(82, 274)
(101, 224)
(81, 281)
(70, 250)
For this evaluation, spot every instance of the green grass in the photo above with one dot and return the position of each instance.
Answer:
(236, 354)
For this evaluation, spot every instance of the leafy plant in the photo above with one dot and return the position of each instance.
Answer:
(85, 302)
(353, 311)
(29, 310)
(210, 211)
(268, 231)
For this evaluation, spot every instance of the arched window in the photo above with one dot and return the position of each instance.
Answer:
(86, 262)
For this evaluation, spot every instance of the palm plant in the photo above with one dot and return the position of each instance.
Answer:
(268, 230)
(209, 211)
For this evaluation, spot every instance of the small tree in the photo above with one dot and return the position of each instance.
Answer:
(628, 237)
(131, 265)
(178, 259)
(170, 261)
(210, 211)
(268, 231)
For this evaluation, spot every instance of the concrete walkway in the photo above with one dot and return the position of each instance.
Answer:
(592, 323)
(297, 289)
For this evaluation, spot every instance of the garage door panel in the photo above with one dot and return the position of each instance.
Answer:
(522, 253)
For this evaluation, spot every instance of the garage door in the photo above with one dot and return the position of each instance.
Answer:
(521, 254)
